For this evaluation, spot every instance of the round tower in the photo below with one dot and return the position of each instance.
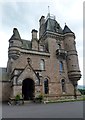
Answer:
(15, 43)
(72, 57)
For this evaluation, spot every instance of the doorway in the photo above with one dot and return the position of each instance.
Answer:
(28, 89)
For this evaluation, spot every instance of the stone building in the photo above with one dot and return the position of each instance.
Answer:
(48, 65)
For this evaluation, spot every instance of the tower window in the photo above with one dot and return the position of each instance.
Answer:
(11, 43)
(46, 88)
(61, 66)
(42, 64)
(63, 85)
(58, 45)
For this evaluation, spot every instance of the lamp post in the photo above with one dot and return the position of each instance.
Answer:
(28, 60)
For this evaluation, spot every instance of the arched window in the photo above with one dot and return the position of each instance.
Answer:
(42, 64)
(46, 87)
(63, 85)
(59, 46)
(41, 48)
(61, 66)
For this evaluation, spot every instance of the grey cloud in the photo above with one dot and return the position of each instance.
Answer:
(22, 14)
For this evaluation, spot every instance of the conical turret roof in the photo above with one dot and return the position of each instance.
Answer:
(67, 30)
(15, 35)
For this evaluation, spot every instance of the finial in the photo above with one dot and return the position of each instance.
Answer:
(65, 23)
(48, 9)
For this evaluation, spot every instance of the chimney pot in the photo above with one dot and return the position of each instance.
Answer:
(34, 34)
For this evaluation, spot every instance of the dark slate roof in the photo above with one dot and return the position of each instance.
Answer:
(26, 44)
(67, 30)
(53, 26)
(15, 35)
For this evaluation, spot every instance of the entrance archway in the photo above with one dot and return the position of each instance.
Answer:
(28, 89)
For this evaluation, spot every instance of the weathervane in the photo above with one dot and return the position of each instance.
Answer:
(48, 11)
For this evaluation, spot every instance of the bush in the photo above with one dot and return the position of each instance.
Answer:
(82, 91)
(17, 97)
(39, 98)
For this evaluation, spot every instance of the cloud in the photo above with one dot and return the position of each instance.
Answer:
(11, 15)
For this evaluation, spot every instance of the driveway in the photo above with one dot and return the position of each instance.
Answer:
(51, 110)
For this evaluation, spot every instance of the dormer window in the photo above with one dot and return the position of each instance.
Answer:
(42, 48)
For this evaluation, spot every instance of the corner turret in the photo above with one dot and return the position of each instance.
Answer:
(15, 43)
(72, 56)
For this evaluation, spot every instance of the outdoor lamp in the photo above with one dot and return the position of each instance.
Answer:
(28, 60)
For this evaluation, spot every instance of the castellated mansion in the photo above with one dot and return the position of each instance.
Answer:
(48, 65)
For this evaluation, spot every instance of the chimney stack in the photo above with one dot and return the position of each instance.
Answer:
(42, 20)
(34, 34)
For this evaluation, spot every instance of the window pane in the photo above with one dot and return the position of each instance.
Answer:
(63, 85)
(46, 89)
(61, 66)
(42, 65)
(58, 46)
(41, 48)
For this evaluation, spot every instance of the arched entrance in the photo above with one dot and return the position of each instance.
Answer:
(28, 89)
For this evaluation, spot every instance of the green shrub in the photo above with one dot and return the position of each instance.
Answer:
(17, 97)
(39, 98)
(82, 91)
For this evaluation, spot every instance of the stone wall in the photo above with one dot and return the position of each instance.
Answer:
(0, 91)
(52, 71)
(6, 90)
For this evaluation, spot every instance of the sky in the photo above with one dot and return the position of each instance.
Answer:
(25, 14)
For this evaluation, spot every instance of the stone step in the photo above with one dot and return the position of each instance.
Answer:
(28, 101)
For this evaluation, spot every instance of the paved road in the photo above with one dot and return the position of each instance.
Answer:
(53, 110)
